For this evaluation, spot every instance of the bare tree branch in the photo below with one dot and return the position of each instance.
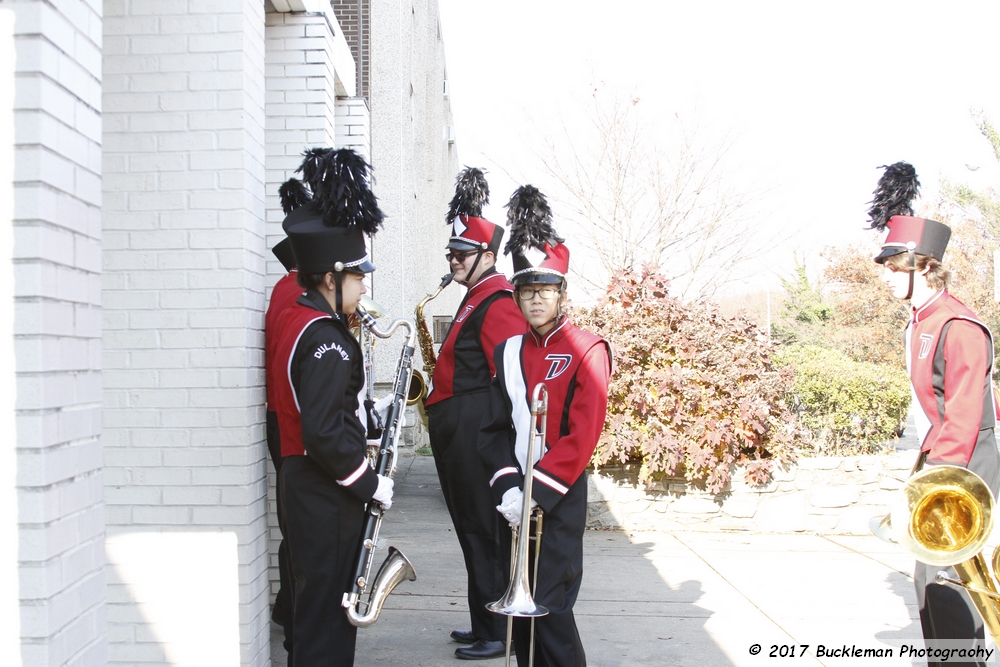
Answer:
(639, 203)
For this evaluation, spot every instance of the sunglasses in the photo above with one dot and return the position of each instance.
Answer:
(458, 256)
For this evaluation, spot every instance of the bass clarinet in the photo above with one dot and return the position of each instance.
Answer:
(396, 568)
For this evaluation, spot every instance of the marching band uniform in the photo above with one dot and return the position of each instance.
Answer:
(462, 375)
(325, 478)
(283, 295)
(575, 366)
(949, 356)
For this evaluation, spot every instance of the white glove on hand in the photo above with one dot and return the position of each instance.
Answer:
(511, 505)
(383, 494)
(382, 407)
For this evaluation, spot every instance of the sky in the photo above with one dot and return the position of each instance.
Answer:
(812, 96)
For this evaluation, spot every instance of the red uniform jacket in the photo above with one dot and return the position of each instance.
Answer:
(949, 354)
(575, 367)
(487, 316)
(284, 294)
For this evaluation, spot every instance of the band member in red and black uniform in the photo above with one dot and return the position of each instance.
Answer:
(486, 316)
(575, 367)
(284, 294)
(949, 355)
(325, 478)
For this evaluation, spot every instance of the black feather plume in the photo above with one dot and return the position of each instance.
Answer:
(472, 192)
(530, 220)
(293, 194)
(340, 181)
(314, 165)
(894, 194)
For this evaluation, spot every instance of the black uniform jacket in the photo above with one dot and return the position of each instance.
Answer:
(327, 374)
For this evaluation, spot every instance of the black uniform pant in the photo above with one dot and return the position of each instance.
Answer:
(948, 617)
(323, 524)
(281, 613)
(465, 482)
(560, 573)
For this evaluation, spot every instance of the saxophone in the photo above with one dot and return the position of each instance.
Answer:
(396, 568)
(426, 349)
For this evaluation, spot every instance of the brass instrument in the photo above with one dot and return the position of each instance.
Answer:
(376, 310)
(949, 520)
(518, 600)
(418, 390)
(396, 568)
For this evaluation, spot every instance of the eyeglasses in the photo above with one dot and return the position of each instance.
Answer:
(458, 256)
(528, 293)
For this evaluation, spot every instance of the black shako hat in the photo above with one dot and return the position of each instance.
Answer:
(329, 212)
(283, 251)
(537, 251)
(319, 248)
(892, 209)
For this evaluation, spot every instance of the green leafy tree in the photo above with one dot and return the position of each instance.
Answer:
(805, 315)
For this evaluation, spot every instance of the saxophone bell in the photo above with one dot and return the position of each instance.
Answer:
(418, 389)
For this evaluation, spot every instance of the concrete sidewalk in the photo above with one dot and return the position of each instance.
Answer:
(688, 599)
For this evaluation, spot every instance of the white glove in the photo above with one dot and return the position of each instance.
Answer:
(382, 407)
(383, 494)
(511, 505)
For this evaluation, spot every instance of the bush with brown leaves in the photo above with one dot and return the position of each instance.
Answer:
(693, 393)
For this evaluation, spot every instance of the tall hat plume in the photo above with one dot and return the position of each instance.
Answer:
(470, 230)
(472, 192)
(894, 194)
(530, 220)
(329, 211)
(537, 251)
(337, 184)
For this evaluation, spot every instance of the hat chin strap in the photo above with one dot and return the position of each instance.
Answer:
(912, 257)
(338, 278)
(468, 276)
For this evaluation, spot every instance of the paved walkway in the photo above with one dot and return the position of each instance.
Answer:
(686, 599)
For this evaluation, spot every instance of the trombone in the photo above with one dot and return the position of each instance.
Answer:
(518, 600)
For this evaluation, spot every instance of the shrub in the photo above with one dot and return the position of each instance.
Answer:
(693, 392)
(850, 407)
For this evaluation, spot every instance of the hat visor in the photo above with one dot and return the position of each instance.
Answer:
(535, 278)
(887, 253)
(459, 244)
(364, 267)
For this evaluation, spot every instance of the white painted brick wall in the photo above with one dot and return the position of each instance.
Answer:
(183, 295)
(54, 215)
(56, 108)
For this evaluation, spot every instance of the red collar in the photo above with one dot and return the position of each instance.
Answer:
(484, 279)
(553, 336)
(929, 308)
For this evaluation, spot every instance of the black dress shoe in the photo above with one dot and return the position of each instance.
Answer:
(463, 636)
(482, 649)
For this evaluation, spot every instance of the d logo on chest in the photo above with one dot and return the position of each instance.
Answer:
(465, 313)
(560, 362)
(925, 345)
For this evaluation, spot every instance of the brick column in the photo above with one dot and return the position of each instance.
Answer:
(183, 297)
(51, 96)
